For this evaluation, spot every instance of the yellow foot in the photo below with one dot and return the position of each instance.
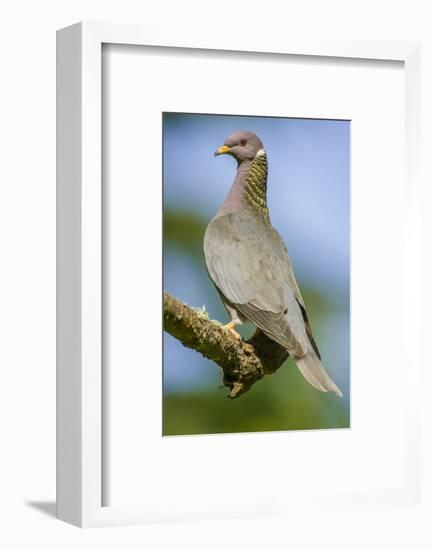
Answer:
(231, 327)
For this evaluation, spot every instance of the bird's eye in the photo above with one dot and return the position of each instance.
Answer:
(243, 142)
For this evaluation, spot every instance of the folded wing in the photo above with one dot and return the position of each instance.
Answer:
(248, 262)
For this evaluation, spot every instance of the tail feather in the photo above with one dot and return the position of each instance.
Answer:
(312, 370)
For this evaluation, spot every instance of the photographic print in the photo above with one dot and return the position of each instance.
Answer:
(256, 273)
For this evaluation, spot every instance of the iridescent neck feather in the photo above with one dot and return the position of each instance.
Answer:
(255, 183)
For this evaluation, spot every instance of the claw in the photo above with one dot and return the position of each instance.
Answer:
(231, 328)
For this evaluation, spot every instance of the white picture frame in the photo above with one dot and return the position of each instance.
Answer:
(79, 262)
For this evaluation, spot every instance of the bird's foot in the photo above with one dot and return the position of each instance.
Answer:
(231, 328)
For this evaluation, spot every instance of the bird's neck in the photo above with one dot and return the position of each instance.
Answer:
(249, 187)
(255, 183)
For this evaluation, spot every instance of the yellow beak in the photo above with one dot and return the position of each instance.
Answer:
(222, 150)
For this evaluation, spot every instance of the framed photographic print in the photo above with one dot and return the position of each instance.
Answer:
(238, 280)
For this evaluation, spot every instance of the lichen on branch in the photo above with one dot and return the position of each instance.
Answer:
(243, 363)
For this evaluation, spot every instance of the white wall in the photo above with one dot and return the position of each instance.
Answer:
(27, 274)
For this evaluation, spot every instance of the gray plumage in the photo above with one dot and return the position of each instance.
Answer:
(249, 265)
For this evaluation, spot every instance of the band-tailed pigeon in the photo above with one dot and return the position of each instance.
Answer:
(249, 265)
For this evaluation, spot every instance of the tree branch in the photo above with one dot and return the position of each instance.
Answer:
(243, 363)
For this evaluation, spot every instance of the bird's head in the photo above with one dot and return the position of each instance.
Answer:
(242, 145)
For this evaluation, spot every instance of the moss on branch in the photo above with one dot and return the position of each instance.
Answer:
(243, 363)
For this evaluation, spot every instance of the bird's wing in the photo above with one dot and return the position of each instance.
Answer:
(248, 262)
